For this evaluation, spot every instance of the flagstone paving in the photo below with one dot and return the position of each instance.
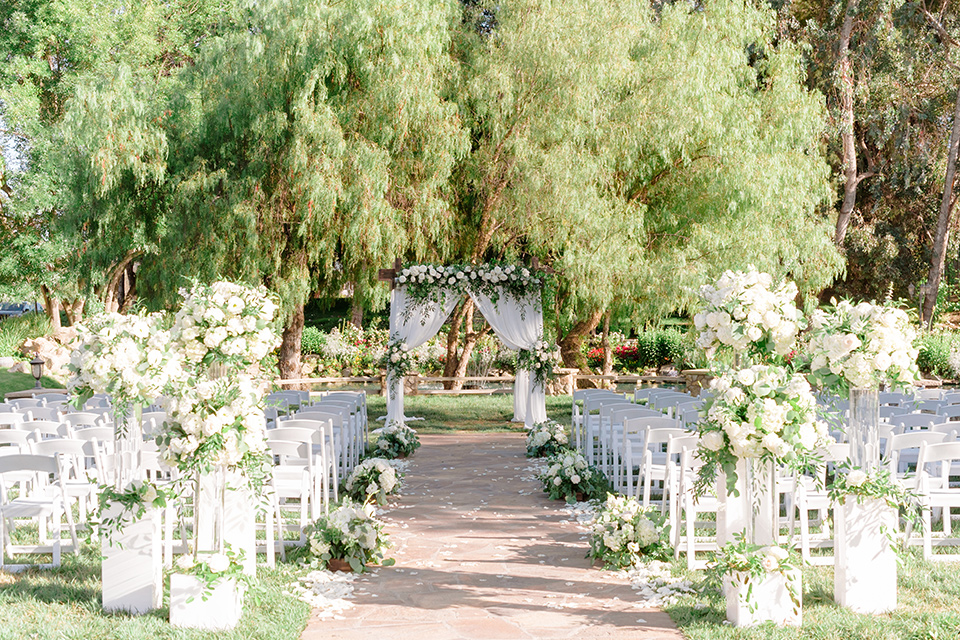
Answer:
(483, 554)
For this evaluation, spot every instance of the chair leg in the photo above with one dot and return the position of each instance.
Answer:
(927, 533)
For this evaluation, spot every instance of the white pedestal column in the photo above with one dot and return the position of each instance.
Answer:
(221, 610)
(752, 601)
(132, 567)
(865, 563)
(234, 510)
(756, 511)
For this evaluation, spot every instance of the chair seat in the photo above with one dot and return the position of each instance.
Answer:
(30, 508)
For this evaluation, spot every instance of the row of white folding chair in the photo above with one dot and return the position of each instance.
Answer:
(597, 412)
(42, 496)
(322, 463)
(579, 411)
(637, 438)
(612, 417)
(347, 434)
(936, 465)
(359, 398)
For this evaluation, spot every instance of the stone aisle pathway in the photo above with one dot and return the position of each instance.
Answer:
(483, 554)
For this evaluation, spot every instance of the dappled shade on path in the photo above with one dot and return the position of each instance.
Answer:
(482, 554)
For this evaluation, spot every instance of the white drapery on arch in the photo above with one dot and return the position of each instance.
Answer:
(517, 322)
(414, 328)
(519, 325)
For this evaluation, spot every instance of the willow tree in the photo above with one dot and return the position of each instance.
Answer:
(301, 151)
(638, 151)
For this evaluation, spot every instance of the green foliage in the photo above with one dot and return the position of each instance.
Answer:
(13, 332)
(671, 347)
(935, 349)
(311, 341)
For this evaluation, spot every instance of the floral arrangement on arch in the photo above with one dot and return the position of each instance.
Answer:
(350, 533)
(743, 313)
(397, 359)
(546, 439)
(758, 412)
(539, 361)
(373, 479)
(862, 346)
(128, 357)
(741, 560)
(623, 533)
(426, 282)
(568, 477)
(395, 439)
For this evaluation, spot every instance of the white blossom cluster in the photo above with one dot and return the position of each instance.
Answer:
(396, 438)
(540, 360)
(862, 345)
(459, 275)
(742, 311)
(214, 422)
(226, 323)
(372, 479)
(214, 562)
(546, 438)
(125, 356)
(344, 529)
(397, 358)
(621, 531)
(761, 411)
(566, 475)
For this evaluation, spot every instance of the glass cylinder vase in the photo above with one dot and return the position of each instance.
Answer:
(863, 427)
(129, 444)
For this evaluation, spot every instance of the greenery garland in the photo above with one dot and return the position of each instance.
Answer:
(427, 283)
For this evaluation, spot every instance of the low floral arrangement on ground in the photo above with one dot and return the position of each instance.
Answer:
(862, 346)
(759, 412)
(372, 480)
(546, 439)
(351, 533)
(743, 313)
(395, 439)
(567, 476)
(539, 361)
(134, 500)
(623, 534)
(740, 561)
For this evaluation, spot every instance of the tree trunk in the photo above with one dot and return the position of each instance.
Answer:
(290, 346)
(356, 310)
(110, 302)
(570, 345)
(943, 223)
(74, 309)
(52, 305)
(847, 138)
(607, 351)
(452, 362)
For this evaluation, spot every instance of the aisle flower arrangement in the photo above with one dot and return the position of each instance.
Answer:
(759, 412)
(539, 361)
(567, 476)
(862, 346)
(751, 561)
(213, 567)
(546, 439)
(349, 533)
(873, 484)
(743, 313)
(623, 534)
(134, 500)
(373, 479)
(395, 440)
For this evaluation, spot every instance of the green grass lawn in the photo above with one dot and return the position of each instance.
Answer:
(10, 382)
(446, 414)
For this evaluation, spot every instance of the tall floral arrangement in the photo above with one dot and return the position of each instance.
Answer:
(225, 331)
(127, 357)
(758, 412)
(540, 361)
(397, 360)
(744, 313)
(862, 345)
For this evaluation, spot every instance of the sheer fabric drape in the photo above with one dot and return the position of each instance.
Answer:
(414, 329)
(519, 325)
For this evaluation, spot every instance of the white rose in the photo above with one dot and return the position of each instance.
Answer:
(746, 377)
(557, 481)
(856, 478)
(218, 562)
(575, 479)
(712, 440)
(185, 562)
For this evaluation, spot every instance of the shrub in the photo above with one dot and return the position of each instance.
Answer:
(647, 349)
(311, 341)
(13, 331)
(671, 347)
(934, 356)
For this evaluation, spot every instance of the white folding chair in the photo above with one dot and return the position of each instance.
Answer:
(660, 460)
(289, 486)
(810, 494)
(42, 497)
(77, 485)
(938, 492)
(322, 466)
